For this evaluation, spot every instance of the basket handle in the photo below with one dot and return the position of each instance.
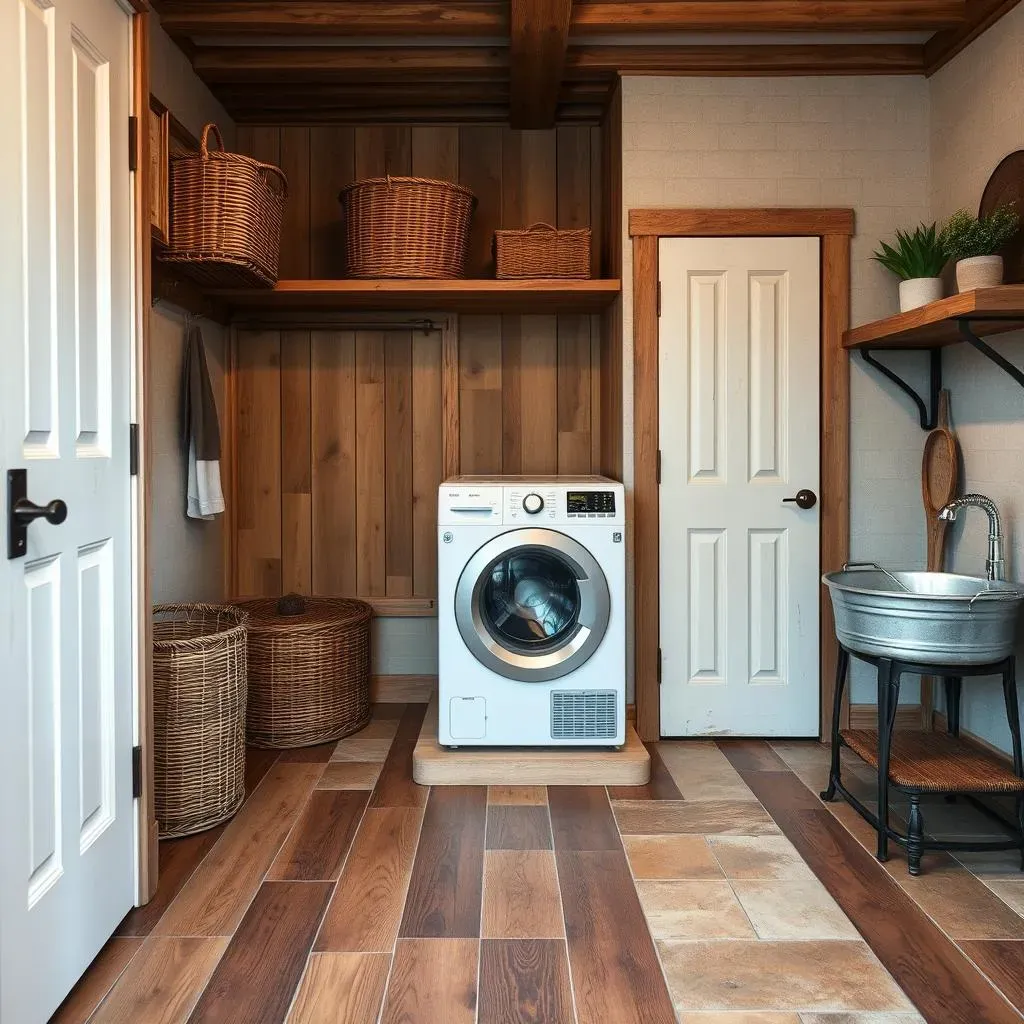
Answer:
(204, 141)
(541, 224)
(204, 152)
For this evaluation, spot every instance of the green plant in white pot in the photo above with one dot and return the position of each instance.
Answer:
(974, 243)
(917, 260)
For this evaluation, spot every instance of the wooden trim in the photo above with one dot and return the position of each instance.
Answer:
(402, 689)
(402, 607)
(148, 855)
(646, 596)
(229, 464)
(834, 227)
(450, 396)
(744, 223)
(865, 716)
(981, 15)
(539, 37)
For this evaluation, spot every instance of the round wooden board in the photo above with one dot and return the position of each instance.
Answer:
(1007, 186)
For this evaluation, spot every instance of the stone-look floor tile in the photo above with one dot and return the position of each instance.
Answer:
(996, 864)
(677, 856)
(354, 748)
(1010, 892)
(961, 905)
(861, 1018)
(795, 976)
(714, 1017)
(693, 910)
(349, 775)
(793, 910)
(377, 729)
(517, 794)
(702, 771)
(766, 857)
(703, 817)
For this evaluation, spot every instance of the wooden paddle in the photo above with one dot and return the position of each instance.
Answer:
(940, 478)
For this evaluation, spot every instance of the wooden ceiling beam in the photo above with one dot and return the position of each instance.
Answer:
(335, 17)
(749, 59)
(981, 14)
(347, 63)
(470, 113)
(620, 16)
(539, 39)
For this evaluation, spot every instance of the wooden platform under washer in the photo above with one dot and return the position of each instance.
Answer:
(434, 765)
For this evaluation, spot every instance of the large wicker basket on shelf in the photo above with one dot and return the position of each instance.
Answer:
(199, 687)
(226, 212)
(406, 228)
(309, 670)
(542, 251)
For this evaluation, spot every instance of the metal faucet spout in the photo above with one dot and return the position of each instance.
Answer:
(995, 564)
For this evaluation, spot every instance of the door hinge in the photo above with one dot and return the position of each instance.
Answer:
(133, 449)
(659, 298)
(136, 772)
(657, 467)
(133, 143)
(659, 666)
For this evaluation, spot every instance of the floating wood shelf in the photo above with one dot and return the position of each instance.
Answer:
(988, 310)
(472, 296)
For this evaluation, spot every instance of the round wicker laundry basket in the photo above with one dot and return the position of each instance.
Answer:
(309, 670)
(199, 688)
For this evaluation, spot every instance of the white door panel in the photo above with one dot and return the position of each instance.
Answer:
(67, 848)
(738, 385)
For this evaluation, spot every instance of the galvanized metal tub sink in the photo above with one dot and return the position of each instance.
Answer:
(935, 618)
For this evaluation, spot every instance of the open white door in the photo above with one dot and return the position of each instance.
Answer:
(67, 848)
(739, 346)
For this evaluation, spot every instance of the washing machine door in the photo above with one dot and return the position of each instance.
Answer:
(532, 605)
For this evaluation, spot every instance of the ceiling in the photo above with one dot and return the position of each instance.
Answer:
(536, 62)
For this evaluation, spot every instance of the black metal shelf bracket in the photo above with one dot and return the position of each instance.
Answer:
(986, 350)
(928, 415)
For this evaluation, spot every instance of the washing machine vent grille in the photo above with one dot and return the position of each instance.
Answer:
(583, 714)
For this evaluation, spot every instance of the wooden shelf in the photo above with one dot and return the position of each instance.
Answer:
(935, 325)
(476, 296)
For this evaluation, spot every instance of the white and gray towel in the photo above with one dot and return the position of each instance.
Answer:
(201, 431)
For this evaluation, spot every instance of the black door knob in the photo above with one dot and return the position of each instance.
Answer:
(803, 498)
(26, 511)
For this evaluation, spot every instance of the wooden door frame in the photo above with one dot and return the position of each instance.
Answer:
(646, 228)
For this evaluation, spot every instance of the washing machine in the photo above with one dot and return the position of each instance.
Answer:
(531, 611)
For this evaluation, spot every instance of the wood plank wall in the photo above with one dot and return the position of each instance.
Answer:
(340, 435)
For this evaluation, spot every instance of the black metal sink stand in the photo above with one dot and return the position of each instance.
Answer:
(889, 675)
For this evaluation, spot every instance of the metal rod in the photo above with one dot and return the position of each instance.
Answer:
(986, 350)
(928, 418)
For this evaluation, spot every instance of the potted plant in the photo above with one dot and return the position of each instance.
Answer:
(975, 243)
(917, 260)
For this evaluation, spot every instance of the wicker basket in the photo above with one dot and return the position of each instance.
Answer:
(309, 670)
(199, 669)
(406, 227)
(225, 217)
(542, 251)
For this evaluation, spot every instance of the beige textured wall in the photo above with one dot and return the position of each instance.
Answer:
(851, 142)
(186, 556)
(977, 119)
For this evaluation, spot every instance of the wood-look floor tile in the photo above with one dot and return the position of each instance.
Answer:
(962, 905)
(386, 710)
(433, 980)
(217, 895)
(701, 771)
(260, 970)
(660, 787)
(341, 988)
(752, 756)
(615, 970)
(1003, 964)
(395, 786)
(704, 817)
(793, 910)
(355, 749)
(319, 841)
(581, 818)
(517, 794)
(447, 874)
(163, 981)
(366, 908)
(758, 975)
(705, 909)
(377, 729)
(350, 775)
(511, 827)
(671, 856)
(767, 857)
(524, 981)
(97, 981)
(996, 864)
(521, 895)
(318, 754)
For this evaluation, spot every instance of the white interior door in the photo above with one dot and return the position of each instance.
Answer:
(67, 848)
(738, 399)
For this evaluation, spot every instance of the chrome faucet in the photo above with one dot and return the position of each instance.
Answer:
(994, 564)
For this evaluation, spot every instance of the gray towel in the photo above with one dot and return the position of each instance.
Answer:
(201, 431)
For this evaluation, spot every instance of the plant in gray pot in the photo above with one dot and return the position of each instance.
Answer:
(974, 243)
(917, 260)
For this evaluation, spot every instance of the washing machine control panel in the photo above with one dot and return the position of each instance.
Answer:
(531, 503)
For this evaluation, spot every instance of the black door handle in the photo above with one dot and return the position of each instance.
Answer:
(21, 512)
(804, 499)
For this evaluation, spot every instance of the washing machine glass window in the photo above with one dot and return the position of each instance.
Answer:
(532, 605)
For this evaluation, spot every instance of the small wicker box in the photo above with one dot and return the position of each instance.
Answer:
(542, 251)
(309, 670)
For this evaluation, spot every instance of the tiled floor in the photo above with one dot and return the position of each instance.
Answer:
(344, 893)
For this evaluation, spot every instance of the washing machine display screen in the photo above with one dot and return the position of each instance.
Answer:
(530, 601)
(587, 502)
